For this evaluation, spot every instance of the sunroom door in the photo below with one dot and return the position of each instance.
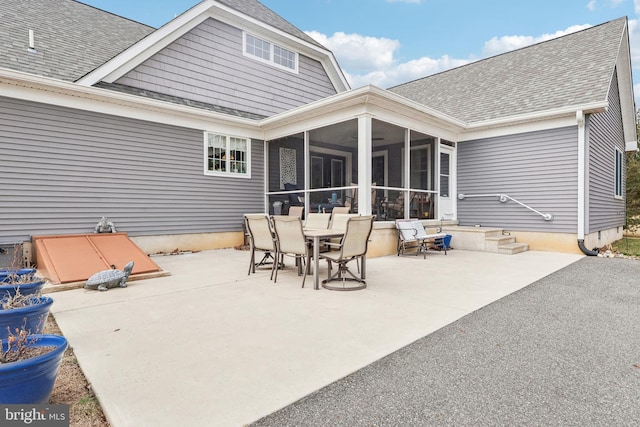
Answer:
(447, 197)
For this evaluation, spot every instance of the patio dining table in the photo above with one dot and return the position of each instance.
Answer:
(315, 235)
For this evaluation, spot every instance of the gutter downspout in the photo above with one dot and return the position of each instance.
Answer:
(581, 182)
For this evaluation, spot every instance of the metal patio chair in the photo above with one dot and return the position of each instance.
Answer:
(261, 238)
(290, 240)
(352, 246)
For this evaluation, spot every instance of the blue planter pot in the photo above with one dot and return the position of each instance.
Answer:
(31, 381)
(7, 288)
(6, 273)
(32, 317)
(25, 288)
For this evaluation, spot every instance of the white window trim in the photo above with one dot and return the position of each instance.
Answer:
(618, 172)
(227, 174)
(270, 61)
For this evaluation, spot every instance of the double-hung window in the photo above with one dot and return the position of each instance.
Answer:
(619, 174)
(227, 155)
(264, 50)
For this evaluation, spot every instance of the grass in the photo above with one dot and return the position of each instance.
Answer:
(628, 246)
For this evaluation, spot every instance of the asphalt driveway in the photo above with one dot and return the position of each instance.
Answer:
(564, 350)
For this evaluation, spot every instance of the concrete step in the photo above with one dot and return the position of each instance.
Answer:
(513, 248)
(493, 243)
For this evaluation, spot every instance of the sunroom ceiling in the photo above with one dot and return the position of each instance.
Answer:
(345, 134)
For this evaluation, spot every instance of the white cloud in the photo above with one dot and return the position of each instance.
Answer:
(405, 72)
(370, 60)
(506, 43)
(591, 5)
(359, 53)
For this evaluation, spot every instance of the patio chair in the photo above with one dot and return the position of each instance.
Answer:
(290, 240)
(296, 211)
(352, 247)
(317, 220)
(340, 210)
(261, 238)
(339, 222)
(411, 233)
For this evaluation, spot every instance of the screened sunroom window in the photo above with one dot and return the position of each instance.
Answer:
(227, 155)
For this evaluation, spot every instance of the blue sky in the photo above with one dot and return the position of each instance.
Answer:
(388, 42)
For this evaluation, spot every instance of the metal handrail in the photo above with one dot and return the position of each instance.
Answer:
(504, 198)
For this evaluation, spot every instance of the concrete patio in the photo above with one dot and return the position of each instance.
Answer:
(212, 346)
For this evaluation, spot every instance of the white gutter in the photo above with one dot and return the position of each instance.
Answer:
(580, 119)
(47, 90)
(591, 107)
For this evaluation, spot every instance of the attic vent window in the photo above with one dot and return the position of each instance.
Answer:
(265, 51)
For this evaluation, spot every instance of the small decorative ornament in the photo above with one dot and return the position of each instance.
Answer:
(105, 226)
(106, 279)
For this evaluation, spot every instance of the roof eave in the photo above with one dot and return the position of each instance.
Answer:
(623, 69)
(107, 97)
(587, 108)
(365, 94)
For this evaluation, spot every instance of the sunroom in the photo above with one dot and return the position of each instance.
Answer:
(367, 149)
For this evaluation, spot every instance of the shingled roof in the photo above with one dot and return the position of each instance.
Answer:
(71, 38)
(571, 70)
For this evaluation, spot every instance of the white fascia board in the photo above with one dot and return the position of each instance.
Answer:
(625, 89)
(521, 127)
(45, 90)
(148, 46)
(362, 95)
(368, 100)
(592, 107)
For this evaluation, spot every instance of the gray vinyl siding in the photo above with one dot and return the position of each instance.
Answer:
(538, 169)
(604, 135)
(62, 169)
(207, 64)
